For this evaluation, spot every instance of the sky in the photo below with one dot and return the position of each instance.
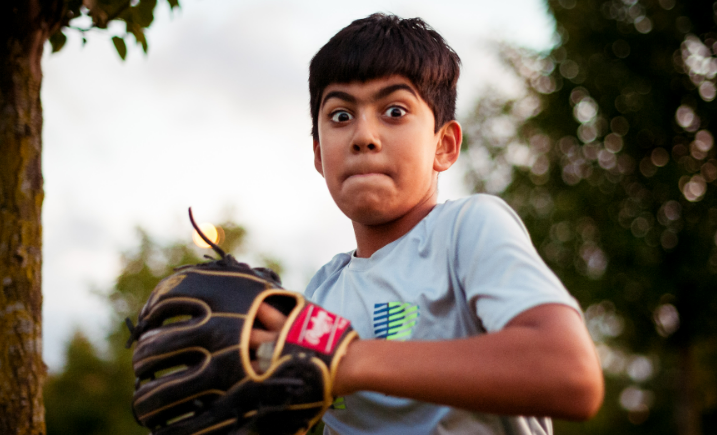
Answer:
(216, 117)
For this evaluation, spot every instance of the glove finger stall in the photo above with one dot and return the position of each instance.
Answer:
(220, 289)
(168, 397)
(213, 333)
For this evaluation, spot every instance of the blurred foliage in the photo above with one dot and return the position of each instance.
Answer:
(86, 15)
(93, 392)
(608, 156)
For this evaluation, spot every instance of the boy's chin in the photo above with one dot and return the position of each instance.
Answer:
(371, 216)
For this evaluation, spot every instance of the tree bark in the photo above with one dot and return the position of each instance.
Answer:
(25, 25)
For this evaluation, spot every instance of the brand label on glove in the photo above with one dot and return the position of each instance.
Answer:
(317, 329)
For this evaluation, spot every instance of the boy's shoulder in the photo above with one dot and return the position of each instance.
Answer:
(336, 264)
(475, 213)
(481, 204)
(449, 222)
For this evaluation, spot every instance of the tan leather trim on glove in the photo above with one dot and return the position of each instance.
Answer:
(249, 323)
(216, 426)
(178, 380)
(340, 353)
(187, 399)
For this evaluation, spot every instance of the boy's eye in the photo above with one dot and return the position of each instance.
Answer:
(341, 116)
(395, 112)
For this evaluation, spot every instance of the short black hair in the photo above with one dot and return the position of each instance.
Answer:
(382, 45)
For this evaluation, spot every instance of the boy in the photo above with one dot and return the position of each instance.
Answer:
(477, 331)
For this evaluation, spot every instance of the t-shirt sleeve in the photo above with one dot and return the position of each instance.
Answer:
(323, 274)
(497, 265)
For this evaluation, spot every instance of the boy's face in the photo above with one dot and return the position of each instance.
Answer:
(377, 148)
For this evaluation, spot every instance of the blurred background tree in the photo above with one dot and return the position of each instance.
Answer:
(25, 27)
(608, 156)
(92, 395)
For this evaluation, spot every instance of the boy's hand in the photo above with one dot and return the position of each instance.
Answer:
(273, 320)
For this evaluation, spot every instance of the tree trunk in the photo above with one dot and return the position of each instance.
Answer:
(25, 25)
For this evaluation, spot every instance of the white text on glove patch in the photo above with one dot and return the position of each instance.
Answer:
(317, 329)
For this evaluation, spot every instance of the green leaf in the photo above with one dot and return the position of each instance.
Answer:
(120, 46)
(138, 33)
(141, 39)
(144, 12)
(57, 40)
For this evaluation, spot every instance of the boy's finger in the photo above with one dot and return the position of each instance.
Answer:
(259, 336)
(270, 317)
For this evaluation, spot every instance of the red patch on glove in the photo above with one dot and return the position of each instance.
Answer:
(317, 329)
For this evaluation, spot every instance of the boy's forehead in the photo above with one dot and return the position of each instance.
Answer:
(376, 88)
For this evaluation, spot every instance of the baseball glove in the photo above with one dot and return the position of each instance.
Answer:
(193, 361)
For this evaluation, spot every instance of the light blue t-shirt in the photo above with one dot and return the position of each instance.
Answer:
(467, 268)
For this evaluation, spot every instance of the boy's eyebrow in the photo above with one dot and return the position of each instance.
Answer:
(388, 90)
(383, 92)
(340, 95)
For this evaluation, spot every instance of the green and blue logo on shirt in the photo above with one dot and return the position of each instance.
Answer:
(394, 320)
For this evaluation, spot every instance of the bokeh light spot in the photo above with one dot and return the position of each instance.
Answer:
(668, 240)
(639, 227)
(685, 116)
(569, 69)
(613, 143)
(541, 165)
(707, 91)
(585, 110)
(667, 320)
(709, 171)
(643, 24)
(633, 398)
(606, 159)
(695, 189)
(647, 168)
(595, 261)
(540, 143)
(210, 231)
(704, 140)
(667, 4)
(587, 133)
(640, 368)
(660, 157)
(619, 125)
(612, 361)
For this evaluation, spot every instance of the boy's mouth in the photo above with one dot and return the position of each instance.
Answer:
(365, 175)
(364, 171)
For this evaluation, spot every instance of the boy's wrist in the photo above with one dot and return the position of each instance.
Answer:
(346, 372)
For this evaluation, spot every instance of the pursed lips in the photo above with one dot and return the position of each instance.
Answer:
(366, 168)
(365, 173)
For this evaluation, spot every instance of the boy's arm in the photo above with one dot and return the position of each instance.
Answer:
(542, 363)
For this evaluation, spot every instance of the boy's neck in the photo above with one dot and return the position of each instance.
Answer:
(371, 238)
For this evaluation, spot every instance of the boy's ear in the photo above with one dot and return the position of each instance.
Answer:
(450, 137)
(317, 158)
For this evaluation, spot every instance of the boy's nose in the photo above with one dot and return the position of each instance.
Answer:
(365, 138)
(367, 147)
